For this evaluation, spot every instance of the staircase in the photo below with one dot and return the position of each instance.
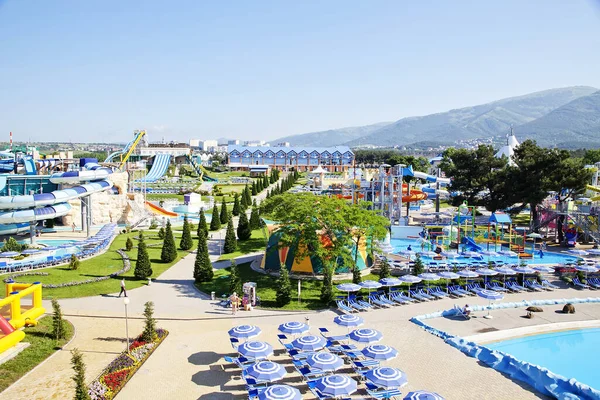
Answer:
(588, 224)
(140, 215)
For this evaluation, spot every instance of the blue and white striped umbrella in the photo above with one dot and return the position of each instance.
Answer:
(280, 392)
(244, 331)
(423, 395)
(505, 271)
(49, 248)
(489, 253)
(586, 268)
(386, 377)
(348, 287)
(486, 272)
(265, 371)
(524, 269)
(380, 352)
(428, 276)
(370, 285)
(390, 281)
(365, 335)
(467, 273)
(335, 385)
(410, 279)
(450, 254)
(309, 343)
(448, 275)
(30, 251)
(544, 268)
(325, 361)
(348, 320)
(9, 254)
(293, 327)
(255, 349)
(490, 294)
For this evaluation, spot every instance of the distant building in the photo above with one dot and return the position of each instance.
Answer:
(233, 142)
(509, 149)
(255, 143)
(332, 159)
(283, 144)
(195, 143)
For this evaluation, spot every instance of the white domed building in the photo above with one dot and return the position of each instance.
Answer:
(509, 149)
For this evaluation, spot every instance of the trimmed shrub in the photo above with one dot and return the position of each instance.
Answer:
(149, 333)
(230, 244)
(143, 265)
(215, 221)
(73, 263)
(243, 229)
(186, 237)
(169, 251)
(128, 244)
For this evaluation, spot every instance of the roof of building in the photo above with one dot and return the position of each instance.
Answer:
(500, 218)
(297, 150)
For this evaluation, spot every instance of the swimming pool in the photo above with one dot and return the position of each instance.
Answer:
(549, 257)
(50, 242)
(572, 354)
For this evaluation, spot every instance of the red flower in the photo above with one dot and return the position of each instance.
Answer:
(136, 344)
(115, 380)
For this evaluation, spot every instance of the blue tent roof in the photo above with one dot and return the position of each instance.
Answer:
(500, 218)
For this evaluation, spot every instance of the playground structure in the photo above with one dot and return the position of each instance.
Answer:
(16, 312)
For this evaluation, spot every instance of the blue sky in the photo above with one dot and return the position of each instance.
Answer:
(95, 70)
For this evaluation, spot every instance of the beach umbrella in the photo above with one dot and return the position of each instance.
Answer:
(325, 361)
(390, 281)
(380, 352)
(534, 236)
(348, 320)
(486, 272)
(428, 276)
(256, 350)
(489, 253)
(505, 271)
(280, 392)
(448, 275)
(544, 268)
(407, 253)
(244, 331)
(335, 385)
(293, 327)
(410, 279)
(309, 343)
(429, 254)
(471, 254)
(489, 295)
(586, 268)
(9, 254)
(594, 252)
(265, 371)
(524, 269)
(423, 395)
(450, 254)
(49, 248)
(348, 287)
(386, 377)
(578, 252)
(370, 285)
(30, 251)
(365, 335)
(466, 273)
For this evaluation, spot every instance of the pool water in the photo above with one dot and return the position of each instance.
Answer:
(549, 257)
(572, 354)
(51, 242)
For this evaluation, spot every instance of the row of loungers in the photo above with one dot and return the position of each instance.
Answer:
(592, 283)
(396, 296)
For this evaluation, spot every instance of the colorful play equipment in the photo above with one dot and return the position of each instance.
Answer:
(15, 315)
(157, 210)
(275, 256)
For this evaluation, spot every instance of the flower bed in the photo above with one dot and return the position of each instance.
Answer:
(121, 369)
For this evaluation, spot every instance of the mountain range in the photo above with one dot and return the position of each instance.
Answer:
(564, 117)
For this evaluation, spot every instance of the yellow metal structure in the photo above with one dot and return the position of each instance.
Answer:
(19, 316)
(131, 148)
(594, 189)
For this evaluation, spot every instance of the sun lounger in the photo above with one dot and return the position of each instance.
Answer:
(320, 396)
(578, 283)
(364, 303)
(455, 292)
(417, 296)
(253, 393)
(594, 282)
(234, 343)
(496, 287)
(308, 374)
(549, 285)
(460, 312)
(534, 285)
(474, 287)
(356, 306)
(398, 297)
(515, 285)
(437, 291)
(343, 307)
(426, 295)
(458, 289)
(381, 393)
(332, 338)
(241, 362)
(383, 297)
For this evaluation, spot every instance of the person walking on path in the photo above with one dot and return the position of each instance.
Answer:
(123, 291)
(73, 226)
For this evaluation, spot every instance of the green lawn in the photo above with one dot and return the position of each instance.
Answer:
(163, 196)
(103, 265)
(42, 346)
(257, 242)
(225, 189)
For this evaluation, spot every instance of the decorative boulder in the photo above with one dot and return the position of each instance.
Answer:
(568, 309)
(534, 309)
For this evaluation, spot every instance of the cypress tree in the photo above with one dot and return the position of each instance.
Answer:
(243, 229)
(254, 203)
(223, 214)
(230, 244)
(356, 277)
(143, 266)
(236, 205)
(202, 223)
(260, 186)
(418, 267)
(149, 333)
(266, 181)
(58, 323)
(248, 195)
(203, 271)
(384, 269)
(128, 244)
(254, 219)
(169, 251)
(253, 188)
(81, 389)
(186, 237)
(235, 280)
(215, 221)
(327, 286)
(161, 233)
(284, 287)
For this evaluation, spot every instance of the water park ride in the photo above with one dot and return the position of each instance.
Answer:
(15, 315)
(126, 151)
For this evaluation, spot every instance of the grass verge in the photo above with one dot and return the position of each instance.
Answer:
(257, 242)
(42, 346)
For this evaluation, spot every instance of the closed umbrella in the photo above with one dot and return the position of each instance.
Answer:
(280, 392)
(293, 327)
(265, 371)
(335, 385)
(423, 395)
(325, 361)
(348, 320)
(309, 343)
(490, 295)
(244, 331)
(256, 350)
(386, 377)
(380, 352)
(366, 335)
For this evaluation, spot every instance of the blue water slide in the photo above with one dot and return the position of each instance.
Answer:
(30, 168)
(159, 168)
(73, 177)
(471, 245)
(12, 229)
(34, 214)
(52, 198)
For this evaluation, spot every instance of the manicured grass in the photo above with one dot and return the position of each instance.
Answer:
(163, 196)
(231, 188)
(257, 242)
(42, 346)
(103, 265)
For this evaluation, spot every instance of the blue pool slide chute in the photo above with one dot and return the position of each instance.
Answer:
(159, 168)
(471, 245)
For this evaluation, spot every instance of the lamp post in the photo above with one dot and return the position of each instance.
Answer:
(126, 302)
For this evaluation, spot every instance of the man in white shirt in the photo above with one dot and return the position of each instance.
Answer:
(123, 291)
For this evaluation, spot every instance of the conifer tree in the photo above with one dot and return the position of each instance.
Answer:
(253, 188)
(149, 333)
(215, 220)
(128, 244)
(143, 266)
(202, 223)
(254, 204)
(203, 271)
(255, 219)
(327, 286)
(81, 389)
(418, 267)
(186, 236)
(243, 229)
(384, 269)
(248, 195)
(161, 233)
(58, 323)
(243, 203)
(236, 205)
(230, 244)
(235, 280)
(223, 213)
(169, 251)
(356, 276)
(284, 287)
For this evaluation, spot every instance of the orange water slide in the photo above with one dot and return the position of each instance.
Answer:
(159, 210)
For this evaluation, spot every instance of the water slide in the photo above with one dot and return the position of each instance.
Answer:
(430, 178)
(471, 245)
(159, 210)
(126, 151)
(30, 168)
(159, 168)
